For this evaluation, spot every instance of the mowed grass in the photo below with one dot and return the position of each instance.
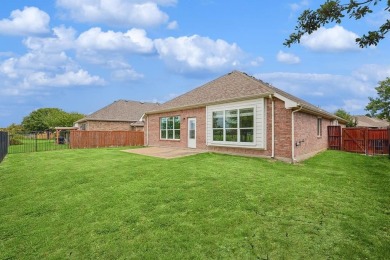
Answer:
(108, 204)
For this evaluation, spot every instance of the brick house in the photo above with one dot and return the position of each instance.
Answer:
(120, 115)
(240, 114)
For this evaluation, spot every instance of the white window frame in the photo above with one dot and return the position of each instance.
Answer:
(166, 128)
(238, 128)
(259, 125)
(319, 126)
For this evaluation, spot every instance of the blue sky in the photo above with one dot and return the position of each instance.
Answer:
(81, 55)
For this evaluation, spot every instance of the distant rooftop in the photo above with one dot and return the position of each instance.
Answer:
(365, 121)
(121, 111)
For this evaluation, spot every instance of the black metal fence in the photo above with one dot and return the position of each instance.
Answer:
(3, 145)
(37, 142)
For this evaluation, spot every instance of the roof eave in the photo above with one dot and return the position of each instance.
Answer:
(105, 120)
(324, 114)
(209, 103)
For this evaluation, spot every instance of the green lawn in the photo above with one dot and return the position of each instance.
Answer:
(104, 203)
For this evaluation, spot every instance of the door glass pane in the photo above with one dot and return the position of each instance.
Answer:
(246, 117)
(217, 135)
(192, 125)
(192, 134)
(218, 119)
(231, 135)
(246, 135)
(231, 119)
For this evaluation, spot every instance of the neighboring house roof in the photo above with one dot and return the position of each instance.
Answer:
(236, 86)
(365, 121)
(121, 111)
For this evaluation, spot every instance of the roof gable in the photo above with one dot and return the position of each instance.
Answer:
(236, 85)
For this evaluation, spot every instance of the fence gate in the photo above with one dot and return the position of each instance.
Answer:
(354, 140)
(334, 137)
(366, 140)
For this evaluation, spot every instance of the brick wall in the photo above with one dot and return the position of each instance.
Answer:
(154, 128)
(305, 129)
(309, 143)
(282, 130)
(107, 126)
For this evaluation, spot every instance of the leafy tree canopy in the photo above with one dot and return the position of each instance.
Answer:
(352, 122)
(47, 118)
(334, 11)
(380, 106)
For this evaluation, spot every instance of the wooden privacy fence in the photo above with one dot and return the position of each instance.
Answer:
(368, 141)
(334, 137)
(94, 139)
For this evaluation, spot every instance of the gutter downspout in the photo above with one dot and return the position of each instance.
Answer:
(147, 130)
(293, 133)
(272, 126)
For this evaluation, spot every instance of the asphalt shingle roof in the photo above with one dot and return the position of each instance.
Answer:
(234, 85)
(365, 121)
(121, 110)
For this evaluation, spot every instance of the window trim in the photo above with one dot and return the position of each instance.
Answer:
(173, 128)
(319, 127)
(238, 128)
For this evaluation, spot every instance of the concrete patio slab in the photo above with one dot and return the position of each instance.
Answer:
(165, 152)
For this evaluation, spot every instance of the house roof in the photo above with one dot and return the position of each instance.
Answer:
(121, 111)
(235, 86)
(365, 121)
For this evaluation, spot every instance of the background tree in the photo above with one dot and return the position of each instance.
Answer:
(352, 122)
(380, 106)
(13, 128)
(333, 11)
(47, 118)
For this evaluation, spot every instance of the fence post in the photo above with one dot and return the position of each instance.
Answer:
(36, 141)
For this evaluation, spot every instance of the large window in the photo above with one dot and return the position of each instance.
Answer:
(170, 127)
(234, 125)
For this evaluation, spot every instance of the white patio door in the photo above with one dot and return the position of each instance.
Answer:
(191, 132)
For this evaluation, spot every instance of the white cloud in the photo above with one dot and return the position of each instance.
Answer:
(134, 40)
(331, 40)
(328, 91)
(288, 58)
(122, 71)
(173, 25)
(257, 61)
(30, 20)
(295, 7)
(116, 12)
(126, 74)
(63, 40)
(197, 54)
(66, 79)
(38, 70)
(372, 72)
